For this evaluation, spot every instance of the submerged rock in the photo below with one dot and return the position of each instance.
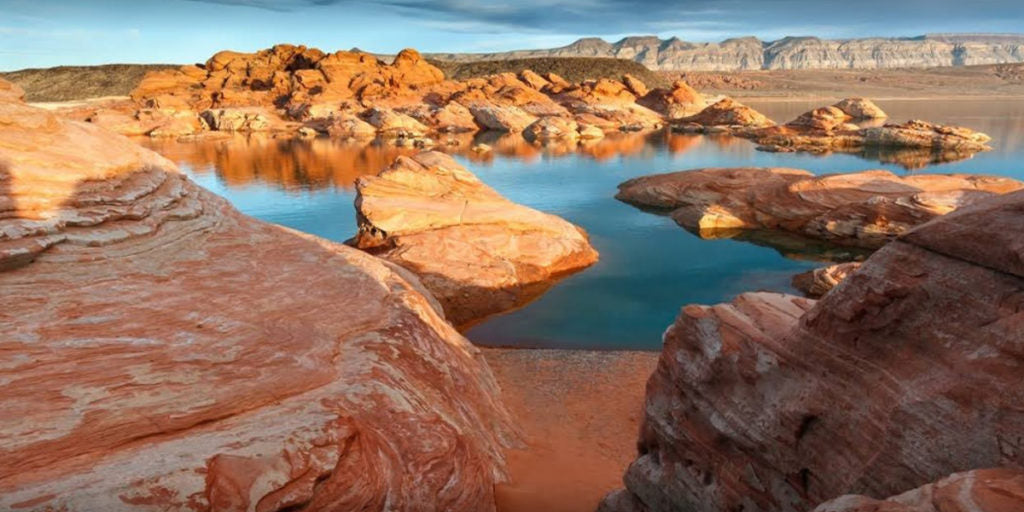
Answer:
(865, 209)
(162, 351)
(476, 251)
(906, 373)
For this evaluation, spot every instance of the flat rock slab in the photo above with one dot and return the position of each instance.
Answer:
(864, 209)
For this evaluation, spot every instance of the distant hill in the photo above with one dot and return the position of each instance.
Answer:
(65, 83)
(750, 53)
(573, 69)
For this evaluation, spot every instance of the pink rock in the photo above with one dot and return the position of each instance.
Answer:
(908, 372)
(476, 251)
(982, 490)
(161, 351)
(864, 209)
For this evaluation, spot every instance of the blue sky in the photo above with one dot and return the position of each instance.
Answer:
(42, 33)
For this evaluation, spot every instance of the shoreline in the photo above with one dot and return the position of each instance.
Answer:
(579, 412)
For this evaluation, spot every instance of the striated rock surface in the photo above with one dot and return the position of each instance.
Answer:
(908, 372)
(724, 113)
(865, 209)
(982, 490)
(162, 351)
(817, 282)
(745, 53)
(681, 101)
(861, 108)
(476, 251)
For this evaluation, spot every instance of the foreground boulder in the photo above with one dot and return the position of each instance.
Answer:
(161, 351)
(865, 209)
(982, 490)
(908, 372)
(478, 252)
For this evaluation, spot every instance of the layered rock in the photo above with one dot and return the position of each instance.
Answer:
(865, 209)
(678, 102)
(906, 373)
(860, 108)
(748, 53)
(476, 251)
(724, 114)
(817, 282)
(982, 490)
(163, 351)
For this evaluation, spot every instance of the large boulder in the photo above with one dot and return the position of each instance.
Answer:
(981, 490)
(504, 119)
(727, 113)
(161, 351)
(552, 128)
(478, 252)
(865, 209)
(907, 372)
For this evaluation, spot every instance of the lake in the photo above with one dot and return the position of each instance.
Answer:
(649, 266)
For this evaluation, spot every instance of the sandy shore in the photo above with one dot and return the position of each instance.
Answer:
(580, 413)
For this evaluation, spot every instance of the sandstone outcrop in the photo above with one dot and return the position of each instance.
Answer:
(746, 53)
(552, 128)
(678, 102)
(161, 351)
(865, 209)
(982, 490)
(861, 108)
(476, 251)
(725, 113)
(817, 282)
(503, 119)
(906, 373)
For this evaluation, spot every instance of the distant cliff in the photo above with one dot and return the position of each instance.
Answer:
(746, 53)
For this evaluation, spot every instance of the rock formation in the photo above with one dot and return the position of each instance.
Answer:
(724, 114)
(162, 351)
(817, 282)
(982, 490)
(908, 372)
(476, 251)
(865, 209)
(747, 53)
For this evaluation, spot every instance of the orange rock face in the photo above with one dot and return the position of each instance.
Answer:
(906, 373)
(864, 209)
(725, 113)
(478, 252)
(162, 351)
(982, 490)
(818, 282)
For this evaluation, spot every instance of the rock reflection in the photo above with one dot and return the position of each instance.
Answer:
(317, 163)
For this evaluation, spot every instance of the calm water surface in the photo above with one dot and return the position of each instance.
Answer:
(649, 267)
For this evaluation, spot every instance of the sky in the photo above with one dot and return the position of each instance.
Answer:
(43, 33)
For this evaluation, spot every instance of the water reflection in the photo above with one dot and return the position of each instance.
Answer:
(649, 266)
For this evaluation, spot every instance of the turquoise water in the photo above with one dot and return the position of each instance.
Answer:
(649, 266)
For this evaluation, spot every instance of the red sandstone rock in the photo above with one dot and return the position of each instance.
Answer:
(982, 490)
(505, 119)
(860, 108)
(162, 351)
(533, 79)
(552, 128)
(727, 113)
(635, 85)
(816, 283)
(864, 209)
(679, 102)
(11, 92)
(476, 251)
(906, 373)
